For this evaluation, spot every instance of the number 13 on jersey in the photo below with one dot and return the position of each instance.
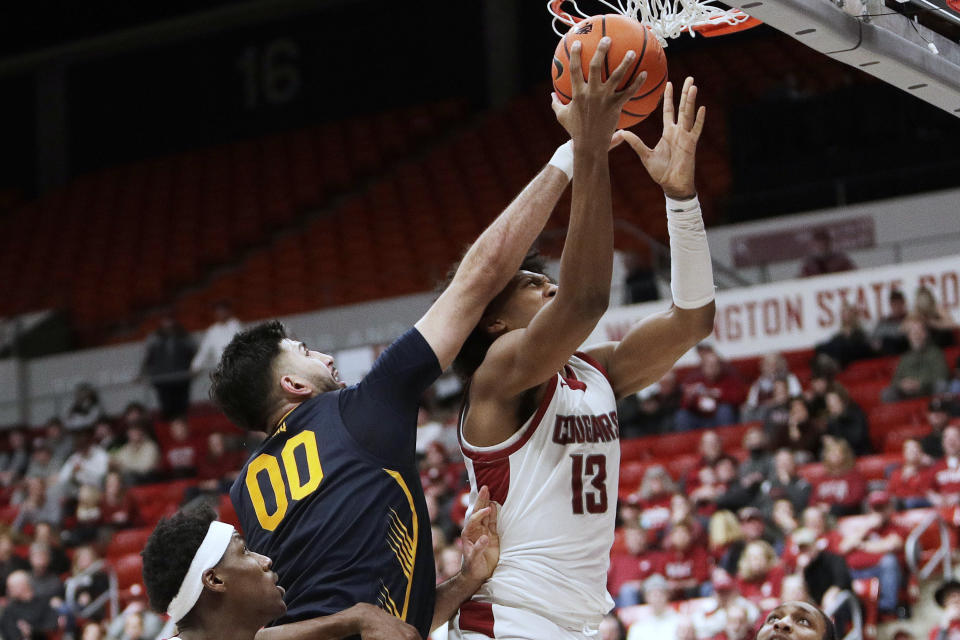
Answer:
(593, 467)
(299, 487)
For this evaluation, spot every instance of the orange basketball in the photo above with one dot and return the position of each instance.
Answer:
(625, 34)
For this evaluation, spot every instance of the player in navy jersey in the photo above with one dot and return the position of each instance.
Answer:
(333, 495)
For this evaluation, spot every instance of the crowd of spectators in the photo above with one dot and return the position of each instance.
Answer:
(741, 528)
(65, 491)
(715, 393)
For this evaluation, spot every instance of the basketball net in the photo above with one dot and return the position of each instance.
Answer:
(666, 18)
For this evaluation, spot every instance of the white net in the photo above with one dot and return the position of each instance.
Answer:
(667, 18)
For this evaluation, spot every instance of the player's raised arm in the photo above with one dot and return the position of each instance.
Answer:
(495, 257)
(529, 355)
(652, 347)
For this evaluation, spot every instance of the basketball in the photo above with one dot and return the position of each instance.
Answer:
(625, 34)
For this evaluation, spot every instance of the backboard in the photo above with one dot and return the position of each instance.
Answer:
(911, 45)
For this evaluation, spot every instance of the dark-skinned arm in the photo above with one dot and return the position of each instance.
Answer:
(654, 345)
(527, 357)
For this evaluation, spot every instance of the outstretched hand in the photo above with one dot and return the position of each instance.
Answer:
(481, 543)
(671, 162)
(591, 116)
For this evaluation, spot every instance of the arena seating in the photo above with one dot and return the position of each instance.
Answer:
(150, 232)
(144, 231)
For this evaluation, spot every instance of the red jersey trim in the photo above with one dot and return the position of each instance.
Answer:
(496, 476)
(476, 616)
(593, 362)
(498, 452)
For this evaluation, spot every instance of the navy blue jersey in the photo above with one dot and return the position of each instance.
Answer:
(334, 496)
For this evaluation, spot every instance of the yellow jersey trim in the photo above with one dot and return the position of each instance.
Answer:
(403, 544)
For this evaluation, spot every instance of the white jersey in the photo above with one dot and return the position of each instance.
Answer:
(557, 480)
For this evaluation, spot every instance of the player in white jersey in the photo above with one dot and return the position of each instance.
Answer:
(539, 425)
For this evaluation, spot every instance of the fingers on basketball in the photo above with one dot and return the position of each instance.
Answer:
(634, 87)
(595, 75)
(577, 80)
(625, 34)
(616, 78)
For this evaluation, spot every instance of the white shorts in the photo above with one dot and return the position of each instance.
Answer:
(480, 621)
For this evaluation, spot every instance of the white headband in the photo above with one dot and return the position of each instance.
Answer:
(212, 548)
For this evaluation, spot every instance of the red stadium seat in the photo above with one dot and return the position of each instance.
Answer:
(633, 450)
(226, 512)
(129, 570)
(631, 473)
(812, 472)
(870, 370)
(679, 466)
(867, 394)
(798, 360)
(155, 501)
(904, 412)
(876, 467)
(619, 546)
(128, 541)
(891, 439)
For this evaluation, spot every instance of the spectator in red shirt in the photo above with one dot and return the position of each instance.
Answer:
(711, 395)
(825, 572)
(182, 454)
(874, 551)
(759, 575)
(629, 570)
(708, 488)
(947, 596)
(825, 537)
(681, 512)
(711, 450)
(217, 470)
(762, 395)
(653, 499)
(118, 509)
(784, 519)
(823, 258)
(686, 567)
(945, 486)
(911, 483)
(843, 488)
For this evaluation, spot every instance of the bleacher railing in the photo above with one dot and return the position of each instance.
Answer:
(846, 599)
(109, 598)
(939, 559)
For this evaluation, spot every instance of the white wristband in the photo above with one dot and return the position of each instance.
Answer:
(691, 271)
(563, 158)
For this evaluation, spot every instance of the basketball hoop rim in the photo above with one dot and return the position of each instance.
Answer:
(717, 21)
